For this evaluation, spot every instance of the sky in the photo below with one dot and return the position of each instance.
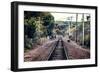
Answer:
(67, 16)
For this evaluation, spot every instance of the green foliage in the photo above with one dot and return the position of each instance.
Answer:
(48, 22)
(87, 40)
(37, 25)
(30, 27)
(27, 43)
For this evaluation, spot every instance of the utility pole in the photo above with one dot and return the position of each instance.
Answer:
(70, 23)
(69, 27)
(76, 27)
(83, 29)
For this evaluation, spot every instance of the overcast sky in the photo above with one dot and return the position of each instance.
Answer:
(65, 16)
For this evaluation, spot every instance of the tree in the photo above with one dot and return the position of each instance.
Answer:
(37, 25)
(48, 22)
(30, 27)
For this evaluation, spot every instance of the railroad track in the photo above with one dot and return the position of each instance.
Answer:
(58, 52)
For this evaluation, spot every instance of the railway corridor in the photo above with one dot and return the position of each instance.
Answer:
(59, 49)
(58, 52)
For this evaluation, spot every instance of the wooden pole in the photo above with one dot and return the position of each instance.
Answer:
(83, 28)
(76, 27)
